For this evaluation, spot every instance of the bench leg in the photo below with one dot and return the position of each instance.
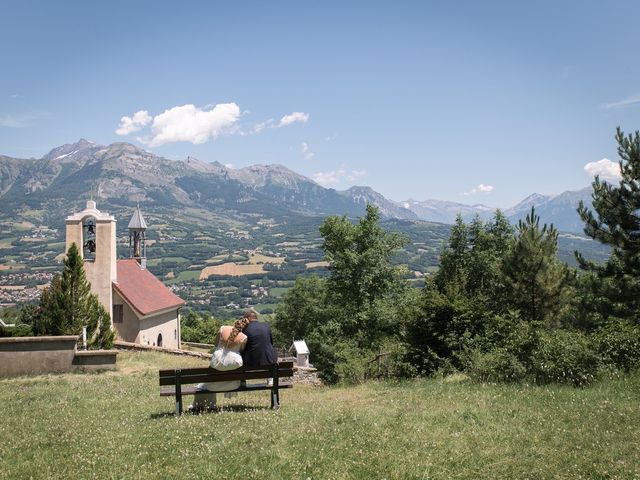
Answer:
(178, 394)
(275, 395)
(275, 399)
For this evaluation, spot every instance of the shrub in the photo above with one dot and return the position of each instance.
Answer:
(497, 365)
(619, 345)
(564, 357)
(21, 330)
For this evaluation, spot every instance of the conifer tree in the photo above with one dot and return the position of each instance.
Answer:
(535, 279)
(616, 223)
(67, 305)
(454, 258)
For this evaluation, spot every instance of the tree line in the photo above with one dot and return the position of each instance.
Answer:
(501, 307)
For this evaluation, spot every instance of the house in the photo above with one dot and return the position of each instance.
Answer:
(143, 310)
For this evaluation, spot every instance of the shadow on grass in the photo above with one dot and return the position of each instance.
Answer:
(225, 409)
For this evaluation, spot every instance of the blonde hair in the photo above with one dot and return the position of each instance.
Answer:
(238, 326)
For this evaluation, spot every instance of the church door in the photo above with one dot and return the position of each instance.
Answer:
(159, 340)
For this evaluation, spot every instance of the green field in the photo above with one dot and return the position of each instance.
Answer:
(154, 262)
(277, 292)
(261, 307)
(114, 425)
(184, 276)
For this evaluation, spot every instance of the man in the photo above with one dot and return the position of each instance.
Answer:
(259, 350)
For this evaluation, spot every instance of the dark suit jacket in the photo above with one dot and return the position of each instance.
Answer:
(259, 350)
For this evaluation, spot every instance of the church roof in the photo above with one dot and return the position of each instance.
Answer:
(142, 290)
(137, 220)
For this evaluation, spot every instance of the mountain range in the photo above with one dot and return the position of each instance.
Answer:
(124, 174)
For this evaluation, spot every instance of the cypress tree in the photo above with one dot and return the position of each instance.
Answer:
(67, 305)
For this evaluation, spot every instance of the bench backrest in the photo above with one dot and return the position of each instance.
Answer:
(208, 374)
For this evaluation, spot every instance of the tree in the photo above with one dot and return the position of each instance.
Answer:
(346, 316)
(464, 294)
(535, 279)
(363, 282)
(67, 305)
(616, 223)
(303, 310)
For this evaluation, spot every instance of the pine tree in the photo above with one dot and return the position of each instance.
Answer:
(67, 305)
(454, 258)
(536, 281)
(617, 223)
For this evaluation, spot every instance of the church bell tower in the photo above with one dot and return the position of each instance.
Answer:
(94, 232)
(137, 245)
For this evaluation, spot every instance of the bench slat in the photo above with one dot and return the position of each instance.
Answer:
(200, 370)
(170, 391)
(186, 378)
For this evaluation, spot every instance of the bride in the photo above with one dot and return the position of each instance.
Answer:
(230, 342)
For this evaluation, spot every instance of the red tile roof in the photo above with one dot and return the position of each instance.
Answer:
(142, 290)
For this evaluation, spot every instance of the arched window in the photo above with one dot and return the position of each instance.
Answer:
(159, 339)
(89, 239)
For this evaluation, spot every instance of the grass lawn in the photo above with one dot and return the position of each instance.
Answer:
(114, 425)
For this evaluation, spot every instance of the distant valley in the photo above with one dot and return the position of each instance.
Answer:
(221, 238)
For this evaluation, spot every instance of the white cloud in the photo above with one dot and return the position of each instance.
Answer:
(229, 166)
(355, 174)
(605, 168)
(187, 123)
(133, 124)
(293, 118)
(329, 178)
(308, 154)
(261, 126)
(482, 188)
(622, 103)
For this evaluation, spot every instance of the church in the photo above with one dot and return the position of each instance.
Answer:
(143, 310)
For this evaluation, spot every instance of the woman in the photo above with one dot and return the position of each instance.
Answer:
(230, 342)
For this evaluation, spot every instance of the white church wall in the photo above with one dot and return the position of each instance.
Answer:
(165, 324)
(129, 329)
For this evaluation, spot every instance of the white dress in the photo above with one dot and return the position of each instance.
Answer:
(223, 358)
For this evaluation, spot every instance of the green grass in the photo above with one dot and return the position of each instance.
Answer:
(184, 276)
(114, 425)
(277, 292)
(154, 262)
(261, 307)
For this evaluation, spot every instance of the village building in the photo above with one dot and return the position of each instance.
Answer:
(143, 310)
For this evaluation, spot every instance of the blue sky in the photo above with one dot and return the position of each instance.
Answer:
(477, 102)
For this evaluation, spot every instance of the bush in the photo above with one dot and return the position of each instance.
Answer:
(21, 330)
(564, 357)
(497, 365)
(619, 345)
(351, 364)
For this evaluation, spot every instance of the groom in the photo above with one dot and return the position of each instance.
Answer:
(259, 350)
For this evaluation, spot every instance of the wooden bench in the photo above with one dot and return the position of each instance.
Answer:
(182, 381)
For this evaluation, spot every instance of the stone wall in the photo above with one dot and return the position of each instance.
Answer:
(36, 355)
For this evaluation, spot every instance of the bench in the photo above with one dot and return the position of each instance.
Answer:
(183, 381)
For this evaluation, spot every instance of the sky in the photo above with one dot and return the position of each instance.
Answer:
(467, 101)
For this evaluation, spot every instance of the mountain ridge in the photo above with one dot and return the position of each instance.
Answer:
(122, 173)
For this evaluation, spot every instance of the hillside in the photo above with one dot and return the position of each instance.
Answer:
(122, 174)
(427, 428)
